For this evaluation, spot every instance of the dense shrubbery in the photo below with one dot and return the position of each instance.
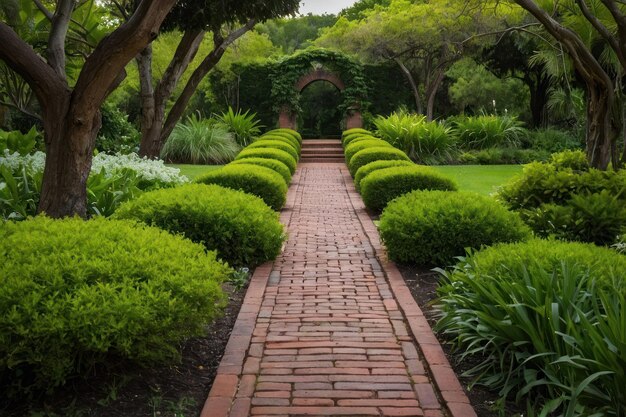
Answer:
(286, 132)
(365, 170)
(269, 153)
(252, 179)
(275, 144)
(77, 293)
(545, 322)
(289, 140)
(240, 227)
(551, 141)
(354, 147)
(117, 134)
(432, 227)
(502, 156)
(357, 130)
(488, 131)
(273, 164)
(383, 185)
(351, 139)
(368, 155)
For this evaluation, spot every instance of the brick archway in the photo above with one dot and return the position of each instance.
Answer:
(287, 119)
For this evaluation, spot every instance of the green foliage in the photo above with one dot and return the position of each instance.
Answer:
(368, 155)
(276, 154)
(576, 160)
(552, 140)
(355, 137)
(275, 144)
(252, 179)
(488, 131)
(356, 146)
(543, 322)
(200, 141)
(16, 141)
(294, 33)
(105, 192)
(356, 130)
(502, 156)
(365, 170)
(19, 192)
(273, 164)
(383, 185)
(433, 227)
(283, 137)
(244, 126)
(422, 141)
(75, 294)
(117, 134)
(240, 227)
(285, 131)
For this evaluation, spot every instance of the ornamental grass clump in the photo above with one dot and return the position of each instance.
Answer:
(245, 127)
(252, 179)
(488, 131)
(431, 228)
(543, 322)
(376, 153)
(383, 185)
(276, 154)
(243, 230)
(76, 295)
(365, 170)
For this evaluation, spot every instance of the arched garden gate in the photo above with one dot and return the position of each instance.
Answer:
(295, 73)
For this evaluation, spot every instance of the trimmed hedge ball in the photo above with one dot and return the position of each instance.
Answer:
(283, 138)
(433, 227)
(277, 154)
(75, 294)
(357, 146)
(272, 164)
(284, 131)
(240, 227)
(355, 130)
(365, 170)
(382, 186)
(356, 137)
(275, 144)
(368, 155)
(252, 179)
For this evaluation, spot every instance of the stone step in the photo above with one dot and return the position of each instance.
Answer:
(322, 151)
(322, 159)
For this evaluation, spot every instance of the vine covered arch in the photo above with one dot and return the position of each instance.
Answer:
(293, 74)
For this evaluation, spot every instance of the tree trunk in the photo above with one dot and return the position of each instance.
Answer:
(601, 131)
(414, 89)
(432, 90)
(538, 98)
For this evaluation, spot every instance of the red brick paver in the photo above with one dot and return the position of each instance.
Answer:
(330, 328)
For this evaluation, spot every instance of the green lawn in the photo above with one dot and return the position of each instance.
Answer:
(483, 179)
(192, 171)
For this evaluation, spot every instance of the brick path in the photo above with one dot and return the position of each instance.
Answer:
(330, 329)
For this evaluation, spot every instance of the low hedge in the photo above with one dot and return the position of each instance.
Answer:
(252, 179)
(76, 294)
(276, 154)
(365, 170)
(240, 227)
(368, 155)
(275, 144)
(290, 140)
(433, 227)
(383, 185)
(290, 132)
(272, 164)
(357, 146)
(355, 130)
(356, 137)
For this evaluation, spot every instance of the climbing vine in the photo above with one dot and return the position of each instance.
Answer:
(287, 71)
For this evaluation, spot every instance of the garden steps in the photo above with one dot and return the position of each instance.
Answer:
(330, 328)
(322, 150)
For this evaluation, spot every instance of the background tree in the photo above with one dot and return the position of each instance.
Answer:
(295, 33)
(70, 110)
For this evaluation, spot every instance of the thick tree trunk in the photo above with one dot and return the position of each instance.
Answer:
(538, 99)
(601, 131)
(414, 89)
(432, 90)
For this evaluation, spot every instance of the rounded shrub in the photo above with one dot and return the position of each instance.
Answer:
(283, 138)
(240, 227)
(365, 170)
(272, 164)
(377, 153)
(252, 179)
(284, 131)
(75, 294)
(433, 227)
(383, 185)
(357, 146)
(356, 137)
(276, 154)
(355, 130)
(275, 144)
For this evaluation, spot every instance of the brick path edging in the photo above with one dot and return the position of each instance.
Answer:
(444, 377)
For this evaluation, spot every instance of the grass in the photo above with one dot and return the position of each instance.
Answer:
(482, 179)
(192, 171)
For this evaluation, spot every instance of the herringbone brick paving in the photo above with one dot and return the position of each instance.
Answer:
(329, 338)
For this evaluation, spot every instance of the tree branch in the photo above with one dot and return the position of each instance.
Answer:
(43, 9)
(603, 31)
(58, 32)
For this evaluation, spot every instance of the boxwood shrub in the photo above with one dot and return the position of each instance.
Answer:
(433, 227)
(283, 138)
(275, 144)
(272, 164)
(368, 155)
(365, 170)
(355, 130)
(383, 185)
(252, 179)
(240, 227)
(541, 322)
(357, 146)
(75, 294)
(289, 132)
(276, 154)
(356, 137)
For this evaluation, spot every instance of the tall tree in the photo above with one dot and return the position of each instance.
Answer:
(70, 113)
(217, 17)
